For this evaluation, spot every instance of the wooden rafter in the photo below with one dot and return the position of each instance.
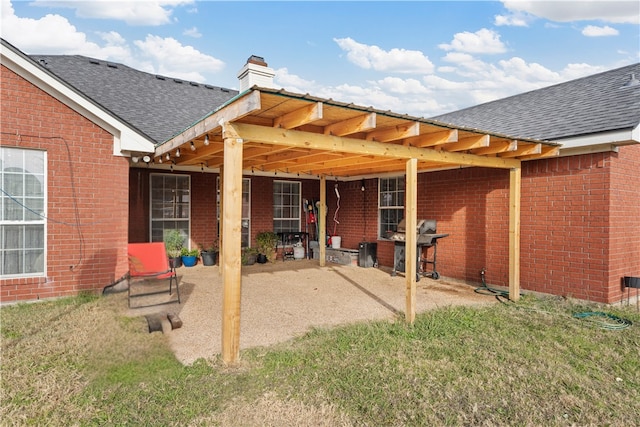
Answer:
(468, 143)
(401, 131)
(302, 116)
(292, 138)
(353, 125)
(432, 139)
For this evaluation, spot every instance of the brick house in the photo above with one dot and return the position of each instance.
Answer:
(579, 233)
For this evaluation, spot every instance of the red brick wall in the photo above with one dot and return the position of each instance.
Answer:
(203, 204)
(624, 243)
(580, 232)
(579, 224)
(565, 226)
(87, 192)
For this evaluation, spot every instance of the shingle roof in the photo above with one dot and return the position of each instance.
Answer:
(588, 105)
(157, 106)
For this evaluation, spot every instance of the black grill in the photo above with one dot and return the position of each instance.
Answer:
(427, 237)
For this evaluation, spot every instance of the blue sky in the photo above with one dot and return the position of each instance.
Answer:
(419, 57)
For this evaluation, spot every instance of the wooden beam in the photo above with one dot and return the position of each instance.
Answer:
(432, 139)
(394, 133)
(293, 138)
(328, 161)
(411, 238)
(322, 221)
(496, 147)
(353, 125)
(515, 180)
(231, 238)
(523, 150)
(469, 143)
(302, 116)
(546, 151)
(240, 108)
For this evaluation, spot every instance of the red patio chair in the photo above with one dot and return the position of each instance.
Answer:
(148, 261)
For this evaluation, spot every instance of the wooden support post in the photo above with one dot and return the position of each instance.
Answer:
(322, 221)
(411, 238)
(515, 178)
(220, 240)
(231, 237)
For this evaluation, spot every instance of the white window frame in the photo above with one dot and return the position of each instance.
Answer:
(246, 216)
(276, 227)
(7, 197)
(187, 220)
(390, 200)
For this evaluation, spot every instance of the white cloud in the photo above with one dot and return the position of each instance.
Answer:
(51, 34)
(402, 86)
(54, 34)
(392, 61)
(136, 12)
(620, 12)
(512, 20)
(594, 31)
(294, 83)
(471, 81)
(482, 41)
(169, 57)
(192, 32)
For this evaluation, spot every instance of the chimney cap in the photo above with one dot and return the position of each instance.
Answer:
(255, 59)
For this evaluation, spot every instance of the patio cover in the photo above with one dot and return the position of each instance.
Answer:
(274, 131)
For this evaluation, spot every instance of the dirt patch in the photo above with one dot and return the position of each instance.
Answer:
(284, 300)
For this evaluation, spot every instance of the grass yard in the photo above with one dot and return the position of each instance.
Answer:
(80, 361)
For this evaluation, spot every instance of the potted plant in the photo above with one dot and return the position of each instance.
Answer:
(173, 242)
(249, 256)
(209, 253)
(267, 242)
(189, 257)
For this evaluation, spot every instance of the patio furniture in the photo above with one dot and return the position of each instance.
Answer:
(148, 262)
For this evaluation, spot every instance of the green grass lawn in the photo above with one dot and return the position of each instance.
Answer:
(80, 361)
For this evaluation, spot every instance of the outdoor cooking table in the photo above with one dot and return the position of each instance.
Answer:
(426, 238)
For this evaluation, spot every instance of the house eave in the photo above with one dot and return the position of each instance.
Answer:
(125, 139)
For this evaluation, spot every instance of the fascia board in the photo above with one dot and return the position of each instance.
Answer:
(617, 137)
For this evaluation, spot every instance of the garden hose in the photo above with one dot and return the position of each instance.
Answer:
(486, 290)
(604, 320)
(599, 318)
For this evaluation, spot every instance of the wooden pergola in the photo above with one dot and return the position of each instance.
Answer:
(269, 130)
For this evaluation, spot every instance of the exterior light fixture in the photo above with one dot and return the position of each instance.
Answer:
(168, 157)
(193, 147)
(146, 159)
(178, 152)
(160, 159)
(362, 185)
(206, 140)
(134, 159)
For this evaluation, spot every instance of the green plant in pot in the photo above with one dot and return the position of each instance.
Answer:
(173, 242)
(267, 242)
(249, 256)
(209, 253)
(189, 256)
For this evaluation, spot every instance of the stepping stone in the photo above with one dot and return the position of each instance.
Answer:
(175, 321)
(155, 322)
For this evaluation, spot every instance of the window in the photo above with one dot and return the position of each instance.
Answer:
(390, 204)
(286, 206)
(170, 205)
(22, 215)
(246, 209)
